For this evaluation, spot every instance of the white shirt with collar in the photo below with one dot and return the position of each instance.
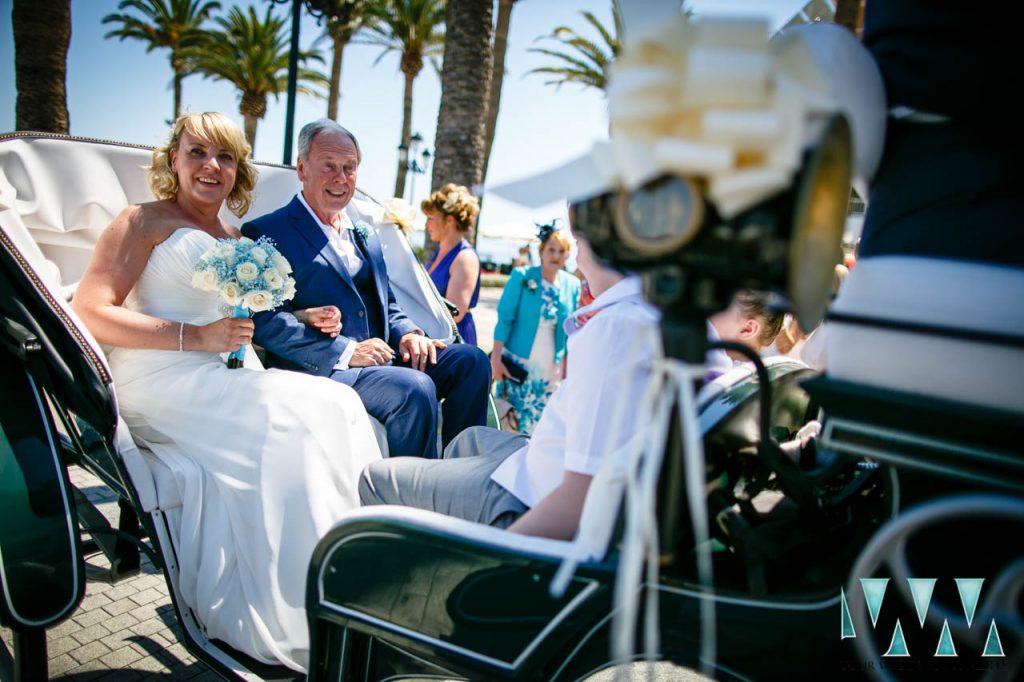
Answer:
(575, 428)
(341, 241)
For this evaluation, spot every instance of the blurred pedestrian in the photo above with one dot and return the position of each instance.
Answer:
(529, 339)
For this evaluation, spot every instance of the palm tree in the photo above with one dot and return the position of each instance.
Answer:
(412, 29)
(497, 76)
(252, 54)
(174, 24)
(461, 120)
(850, 14)
(352, 17)
(40, 65)
(587, 66)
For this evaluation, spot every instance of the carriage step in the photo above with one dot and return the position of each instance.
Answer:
(119, 546)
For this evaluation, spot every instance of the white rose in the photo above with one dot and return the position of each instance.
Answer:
(281, 264)
(205, 280)
(246, 272)
(245, 241)
(258, 255)
(231, 293)
(273, 279)
(258, 301)
(289, 289)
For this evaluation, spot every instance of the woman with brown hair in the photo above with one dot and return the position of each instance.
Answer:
(454, 268)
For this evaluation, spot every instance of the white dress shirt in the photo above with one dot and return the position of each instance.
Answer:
(339, 239)
(574, 431)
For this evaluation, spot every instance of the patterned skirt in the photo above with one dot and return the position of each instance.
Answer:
(530, 397)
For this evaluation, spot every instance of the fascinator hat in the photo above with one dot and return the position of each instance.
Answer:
(731, 158)
(544, 231)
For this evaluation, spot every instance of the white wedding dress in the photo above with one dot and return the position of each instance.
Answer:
(266, 461)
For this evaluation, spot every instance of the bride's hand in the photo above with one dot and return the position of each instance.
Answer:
(226, 334)
(325, 319)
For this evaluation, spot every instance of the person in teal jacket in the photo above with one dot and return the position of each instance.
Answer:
(529, 334)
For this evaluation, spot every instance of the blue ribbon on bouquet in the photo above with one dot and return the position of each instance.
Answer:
(236, 358)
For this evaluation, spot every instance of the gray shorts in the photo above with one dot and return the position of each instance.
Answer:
(457, 485)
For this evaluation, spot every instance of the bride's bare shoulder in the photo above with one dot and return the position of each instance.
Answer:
(151, 222)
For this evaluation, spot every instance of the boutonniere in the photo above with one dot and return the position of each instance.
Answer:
(530, 284)
(362, 229)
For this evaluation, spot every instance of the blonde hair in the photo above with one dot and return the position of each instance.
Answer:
(559, 236)
(456, 201)
(217, 128)
(754, 304)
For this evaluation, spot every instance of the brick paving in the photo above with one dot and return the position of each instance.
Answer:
(121, 631)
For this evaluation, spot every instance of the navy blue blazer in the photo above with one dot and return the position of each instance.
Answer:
(320, 279)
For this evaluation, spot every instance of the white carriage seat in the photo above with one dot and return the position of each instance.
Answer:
(957, 330)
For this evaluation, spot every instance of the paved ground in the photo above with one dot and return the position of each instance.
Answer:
(125, 631)
(486, 316)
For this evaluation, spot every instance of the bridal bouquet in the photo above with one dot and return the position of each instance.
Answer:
(250, 277)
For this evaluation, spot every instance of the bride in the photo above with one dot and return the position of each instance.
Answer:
(265, 461)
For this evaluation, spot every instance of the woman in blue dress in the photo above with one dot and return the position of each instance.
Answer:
(529, 334)
(455, 268)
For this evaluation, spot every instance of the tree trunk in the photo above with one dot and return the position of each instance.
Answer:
(403, 167)
(332, 97)
(177, 95)
(42, 32)
(849, 14)
(250, 129)
(497, 77)
(465, 83)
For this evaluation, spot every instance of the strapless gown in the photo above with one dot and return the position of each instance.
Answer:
(266, 461)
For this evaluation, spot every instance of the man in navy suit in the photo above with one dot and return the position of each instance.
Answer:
(399, 373)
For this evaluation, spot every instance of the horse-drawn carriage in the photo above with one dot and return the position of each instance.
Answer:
(727, 538)
(897, 485)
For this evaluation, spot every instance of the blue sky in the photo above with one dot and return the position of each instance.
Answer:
(116, 90)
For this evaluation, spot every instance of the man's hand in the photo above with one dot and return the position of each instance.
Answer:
(371, 353)
(418, 350)
(326, 319)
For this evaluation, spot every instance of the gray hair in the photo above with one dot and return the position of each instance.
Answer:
(323, 125)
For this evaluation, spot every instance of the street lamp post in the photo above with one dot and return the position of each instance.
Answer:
(409, 157)
(320, 9)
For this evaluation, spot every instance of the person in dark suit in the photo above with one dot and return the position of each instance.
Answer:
(339, 269)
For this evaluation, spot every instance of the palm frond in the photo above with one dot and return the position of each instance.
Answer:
(583, 60)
